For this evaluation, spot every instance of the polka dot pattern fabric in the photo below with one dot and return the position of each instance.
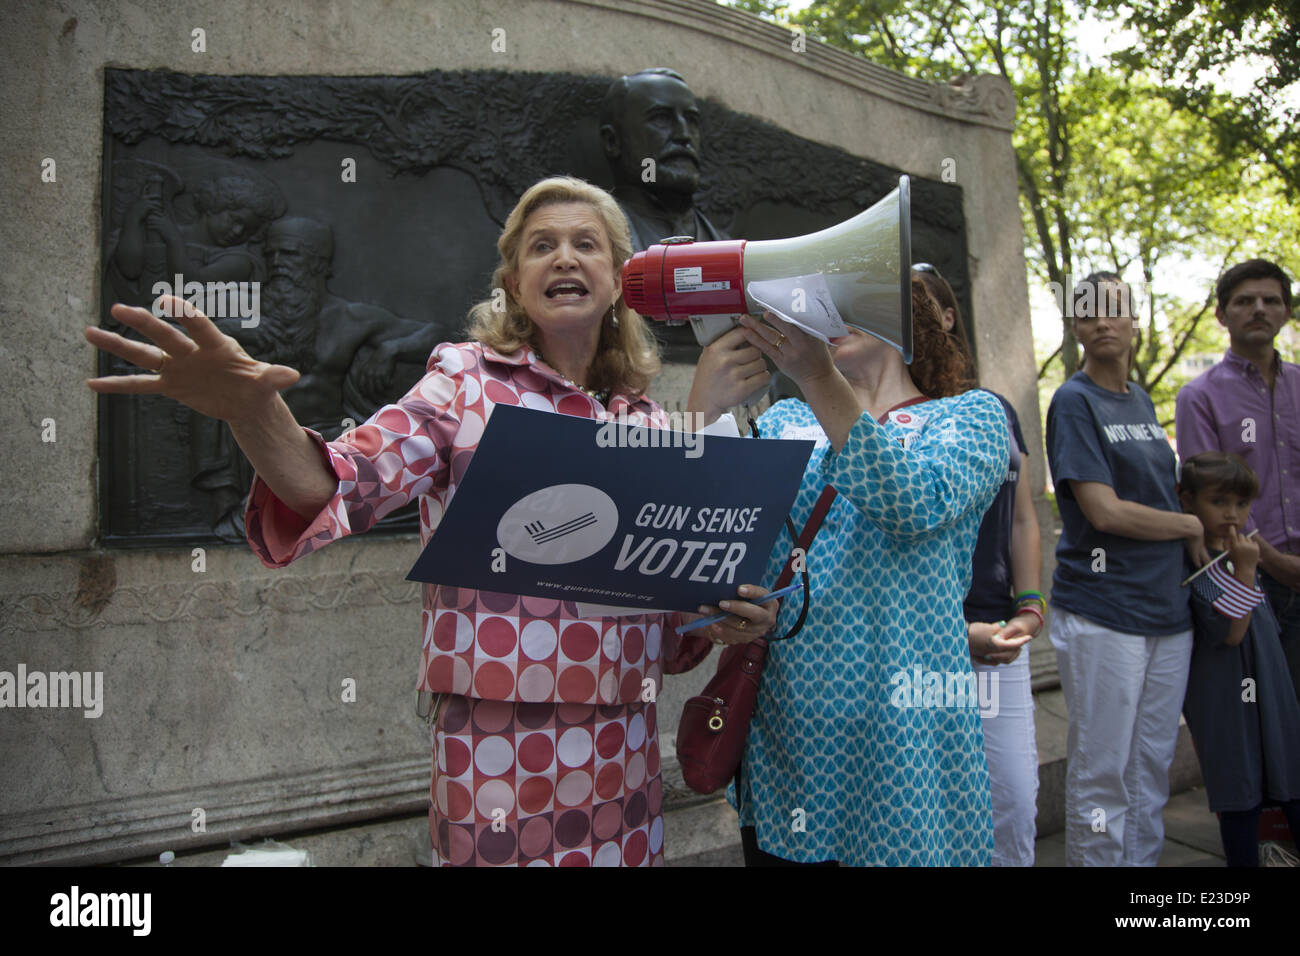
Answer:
(840, 764)
(543, 752)
(475, 643)
(518, 784)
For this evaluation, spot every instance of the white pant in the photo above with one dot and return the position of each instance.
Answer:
(1012, 756)
(1124, 693)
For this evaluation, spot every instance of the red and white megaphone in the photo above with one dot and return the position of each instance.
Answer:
(858, 273)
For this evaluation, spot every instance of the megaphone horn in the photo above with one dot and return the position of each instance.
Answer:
(858, 273)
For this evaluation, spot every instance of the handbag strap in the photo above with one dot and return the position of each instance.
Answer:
(814, 522)
(810, 529)
(802, 544)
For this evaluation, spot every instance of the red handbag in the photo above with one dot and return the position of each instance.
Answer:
(711, 733)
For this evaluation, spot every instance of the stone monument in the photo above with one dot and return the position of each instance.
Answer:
(355, 161)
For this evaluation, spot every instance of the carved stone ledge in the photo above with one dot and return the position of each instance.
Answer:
(147, 824)
(978, 96)
(986, 99)
(202, 601)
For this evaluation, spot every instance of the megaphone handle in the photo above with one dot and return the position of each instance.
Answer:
(707, 328)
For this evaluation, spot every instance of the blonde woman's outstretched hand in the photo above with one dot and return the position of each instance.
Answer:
(206, 369)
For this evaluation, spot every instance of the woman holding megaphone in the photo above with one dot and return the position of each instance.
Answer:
(545, 751)
(865, 744)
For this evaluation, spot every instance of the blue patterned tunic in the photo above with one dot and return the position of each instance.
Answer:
(856, 752)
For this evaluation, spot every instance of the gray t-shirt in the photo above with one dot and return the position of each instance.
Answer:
(1125, 584)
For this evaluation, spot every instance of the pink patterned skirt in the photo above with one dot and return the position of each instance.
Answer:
(546, 784)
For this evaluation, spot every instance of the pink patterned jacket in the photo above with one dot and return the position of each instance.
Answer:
(476, 643)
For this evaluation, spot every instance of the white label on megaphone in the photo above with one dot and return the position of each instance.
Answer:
(691, 279)
(804, 301)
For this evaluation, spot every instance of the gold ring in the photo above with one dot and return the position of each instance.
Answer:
(744, 623)
(780, 342)
(162, 364)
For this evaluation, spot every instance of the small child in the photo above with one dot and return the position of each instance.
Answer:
(1240, 705)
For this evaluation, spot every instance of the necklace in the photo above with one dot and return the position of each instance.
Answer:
(602, 397)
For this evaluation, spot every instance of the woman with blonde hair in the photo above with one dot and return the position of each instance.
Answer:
(543, 751)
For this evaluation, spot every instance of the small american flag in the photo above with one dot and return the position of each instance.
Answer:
(1226, 594)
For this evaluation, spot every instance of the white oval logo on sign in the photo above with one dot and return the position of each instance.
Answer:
(558, 525)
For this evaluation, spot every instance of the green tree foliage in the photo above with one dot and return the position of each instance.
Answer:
(1189, 45)
(1027, 43)
(1114, 172)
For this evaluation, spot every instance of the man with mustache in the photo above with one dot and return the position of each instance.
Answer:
(305, 326)
(650, 131)
(1249, 405)
(309, 328)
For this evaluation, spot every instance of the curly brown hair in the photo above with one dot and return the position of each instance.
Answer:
(947, 299)
(940, 368)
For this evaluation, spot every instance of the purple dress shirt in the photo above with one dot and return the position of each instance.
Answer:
(1229, 408)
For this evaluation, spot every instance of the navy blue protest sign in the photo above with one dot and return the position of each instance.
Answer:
(600, 512)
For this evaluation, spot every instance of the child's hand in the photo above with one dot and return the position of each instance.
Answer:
(1244, 554)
